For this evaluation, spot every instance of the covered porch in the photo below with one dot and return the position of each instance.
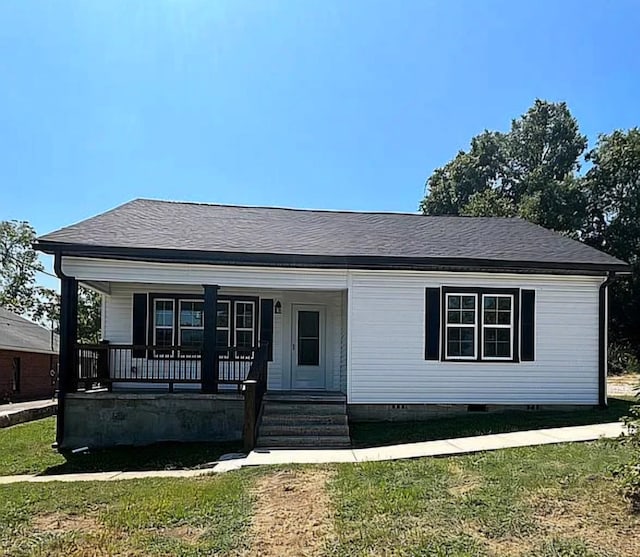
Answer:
(170, 342)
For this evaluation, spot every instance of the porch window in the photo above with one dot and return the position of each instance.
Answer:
(163, 318)
(191, 325)
(244, 325)
(178, 323)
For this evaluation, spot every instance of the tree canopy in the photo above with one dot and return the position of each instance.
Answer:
(20, 292)
(534, 171)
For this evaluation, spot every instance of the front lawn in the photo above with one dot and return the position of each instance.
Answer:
(26, 449)
(478, 423)
(549, 501)
(204, 516)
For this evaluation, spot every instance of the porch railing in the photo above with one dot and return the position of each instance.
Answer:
(103, 364)
(254, 387)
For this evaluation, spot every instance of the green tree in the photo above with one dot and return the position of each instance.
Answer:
(20, 293)
(613, 225)
(529, 171)
(18, 267)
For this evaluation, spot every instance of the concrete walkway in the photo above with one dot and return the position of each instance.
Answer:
(20, 412)
(261, 457)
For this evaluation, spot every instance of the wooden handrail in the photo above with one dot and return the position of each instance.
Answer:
(254, 387)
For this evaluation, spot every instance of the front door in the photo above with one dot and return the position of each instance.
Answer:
(307, 350)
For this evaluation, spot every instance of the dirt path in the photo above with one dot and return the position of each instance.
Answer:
(623, 385)
(293, 514)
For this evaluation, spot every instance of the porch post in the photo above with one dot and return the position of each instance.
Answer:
(209, 362)
(68, 369)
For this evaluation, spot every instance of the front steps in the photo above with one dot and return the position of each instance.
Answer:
(309, 420)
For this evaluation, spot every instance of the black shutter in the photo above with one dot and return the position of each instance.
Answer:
(139, 327)
(432, 324)
(528, 326)
(266, 324)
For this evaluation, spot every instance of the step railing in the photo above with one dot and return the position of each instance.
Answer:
(254, 387)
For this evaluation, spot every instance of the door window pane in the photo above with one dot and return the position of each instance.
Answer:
(308, 338)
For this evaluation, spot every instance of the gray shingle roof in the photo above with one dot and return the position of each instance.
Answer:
(18, 333)
(199, 227)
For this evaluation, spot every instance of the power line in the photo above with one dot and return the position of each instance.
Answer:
(7, 256)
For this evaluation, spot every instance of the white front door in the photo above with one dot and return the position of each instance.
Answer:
(308, 347)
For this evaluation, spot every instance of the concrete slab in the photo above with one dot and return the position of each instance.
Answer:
(263, 457)
(312, 456)
(409, 450)
(21, 412)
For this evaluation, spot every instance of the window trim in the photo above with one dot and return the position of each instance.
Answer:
(511, 326)
(480, 292)
(176, 299)
(448, 326)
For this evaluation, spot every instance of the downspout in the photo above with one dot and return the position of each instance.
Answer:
(62, 382)
(603, 318)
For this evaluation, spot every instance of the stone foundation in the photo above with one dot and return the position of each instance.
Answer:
(106, 419)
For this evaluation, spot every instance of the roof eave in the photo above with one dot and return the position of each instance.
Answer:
(158, 255)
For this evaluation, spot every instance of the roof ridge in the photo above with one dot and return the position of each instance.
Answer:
(308, 210)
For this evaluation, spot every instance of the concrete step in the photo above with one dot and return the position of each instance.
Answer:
(306, 396)
(303, 419)
(309, 441)
(308, 430)
(308, 409)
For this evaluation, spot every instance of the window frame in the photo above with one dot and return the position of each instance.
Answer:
(177, 299)
(480, 292)
(460, 325)
(510, 327)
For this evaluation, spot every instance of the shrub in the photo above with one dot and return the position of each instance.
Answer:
(630, 473)
(622, 359)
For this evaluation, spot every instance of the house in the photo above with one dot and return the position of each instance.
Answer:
(28, 359)
(221, 321)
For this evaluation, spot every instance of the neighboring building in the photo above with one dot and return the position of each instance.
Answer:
(385, 315)
(28, 355)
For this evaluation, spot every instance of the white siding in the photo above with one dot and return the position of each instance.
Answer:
(117, 324)
(107, 270)
(387, 328)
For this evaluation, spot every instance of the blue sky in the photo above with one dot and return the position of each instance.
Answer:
(332, 104)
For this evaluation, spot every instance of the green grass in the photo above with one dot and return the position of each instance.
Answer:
(478, 423)
(205, 516)
(26, 449)
(558, 501)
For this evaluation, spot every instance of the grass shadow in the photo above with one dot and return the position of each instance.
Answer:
(375, 434)
(160, 456)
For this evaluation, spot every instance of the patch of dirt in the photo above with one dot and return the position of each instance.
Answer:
(185, 533)
(623, 385)
(499, 547)
(602, 522)
(293, 515)
(56, 523)
(465, 481)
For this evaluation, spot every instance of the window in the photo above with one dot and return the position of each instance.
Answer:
(163, 325)
(179, 322)
(244, 327)
(461, 326)
(16, 375)
(223, 339)
(480, 324)
(191, 325)
(497, 326)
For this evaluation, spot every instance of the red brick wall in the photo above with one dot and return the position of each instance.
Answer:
(35, 381)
